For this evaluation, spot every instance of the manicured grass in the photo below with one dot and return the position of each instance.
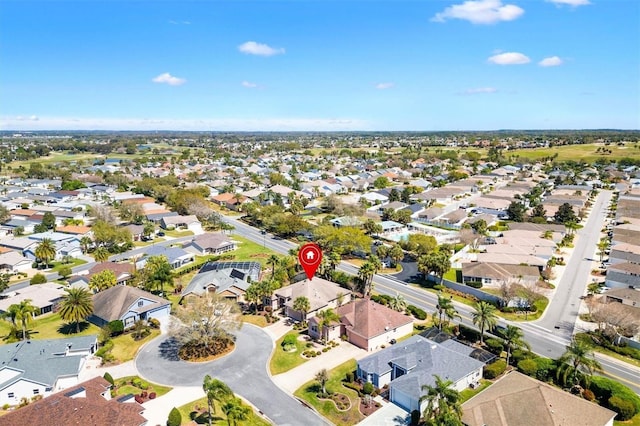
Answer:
(452, 275)
(125, 387)
(189, 412)
(177, 233)
(628, 359)
(56, 266)
(250, 251)
(469, 393)
(586, 152)
(309, 390)
(258, 320)
(125, 347)
(282, 361)
(51, 326)
(541, 304)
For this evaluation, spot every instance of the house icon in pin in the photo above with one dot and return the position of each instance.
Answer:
(310, 255)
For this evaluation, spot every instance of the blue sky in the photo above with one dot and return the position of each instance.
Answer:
(319, 65)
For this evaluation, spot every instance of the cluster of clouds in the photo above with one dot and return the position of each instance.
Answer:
(487, 12)
(517, 58)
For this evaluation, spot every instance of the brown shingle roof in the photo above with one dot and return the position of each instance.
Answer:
(519, 400)
(68, 409)
(114, 302)
(369, 319)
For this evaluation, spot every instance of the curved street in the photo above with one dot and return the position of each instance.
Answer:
(244, 371)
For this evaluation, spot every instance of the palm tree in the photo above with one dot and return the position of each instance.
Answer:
(158, 272)
(445, 308)
(302, 305)
(603, 245)
(21, 313)
(513, 339)
(274, 261)
(101, 254)
(365, 275)
(85, 242)
(215, 390)
(46, 251)
(396, 254)
(398, 303)
(443, 403)
(326, 317)
(484, 316)
(76, 306)
(322, 377)
(578, 358)
(235, 410)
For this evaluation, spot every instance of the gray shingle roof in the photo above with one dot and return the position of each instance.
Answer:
(43, 361)
(114, 302)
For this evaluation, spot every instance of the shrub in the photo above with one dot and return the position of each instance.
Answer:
(528, 367)
(154, 323)
(495, 369)
(38, 279)
(349, 377)
(546, 368)
(318, 353)
(417, 312)
(588, 395)
(175, 418)
(625, 409)
(354, 387)
(474, 284)
(108, 378)
(289, 340)
(367, 388)
(495, 346)
(469, 334)
(605, 388)
(115, 327)
(138, 399)
(519, 354)
(152, 395)
(325, 349)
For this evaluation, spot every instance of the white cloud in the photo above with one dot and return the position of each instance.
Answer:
(222, 124)
(253, 48)
(551, 61)
(480, 90)
(180, 22)
(574, 3)
(509, 58)
(384, 86)
(480, 12)
(249, 85)
(167, 78)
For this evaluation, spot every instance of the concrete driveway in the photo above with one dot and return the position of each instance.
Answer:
(244, 371)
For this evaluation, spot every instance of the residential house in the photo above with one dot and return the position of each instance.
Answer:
(184, 222)
(13, 262)
(137, 231)
(322, 294)
(411, 364)
(495, 275)
(623, 275)
(228, 279)
(127, 304)
(625, 253)
(41, 367)
(211, 243)
(78, 230)
(519, 400)
(626, 296)
(176, 256)
(122, 271)
(367, 324)
(45, 297)
(88, 403)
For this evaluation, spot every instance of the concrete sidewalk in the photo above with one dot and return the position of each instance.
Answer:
(157, 410)
(93, 369)
(293, 379)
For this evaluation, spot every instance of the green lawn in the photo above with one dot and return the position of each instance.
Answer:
(248, 250)
(257, 320)
(51, 326)
(469, 393)
(125, 347)
(282, 361)
(74, 262)
(634, 421)
(123, 386)
(177, 233)
(197, 411)
(309, 390)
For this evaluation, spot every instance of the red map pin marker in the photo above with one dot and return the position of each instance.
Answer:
(310, 256)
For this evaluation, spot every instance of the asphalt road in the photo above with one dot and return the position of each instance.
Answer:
(546, 342)
(244, 371)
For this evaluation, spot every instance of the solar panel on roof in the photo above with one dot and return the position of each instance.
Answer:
(237, 274)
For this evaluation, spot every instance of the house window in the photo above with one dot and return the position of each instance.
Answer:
(36, 391)
(140, 303)
(10, 395)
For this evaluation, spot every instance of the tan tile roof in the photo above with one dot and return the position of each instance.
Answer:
(370, 319)
(65, 409)
(73, 229)
(519, 400)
